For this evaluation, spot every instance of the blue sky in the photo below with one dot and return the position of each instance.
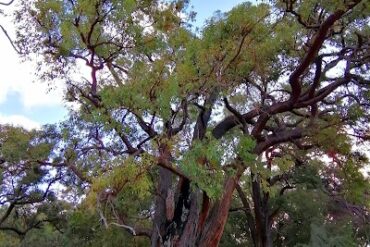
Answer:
(26, 102)
(205, 8)
(14, 105)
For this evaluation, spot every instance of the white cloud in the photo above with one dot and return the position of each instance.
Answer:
(21, 121)
(19, 77)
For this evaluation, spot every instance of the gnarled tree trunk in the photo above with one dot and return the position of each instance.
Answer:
(197, 221)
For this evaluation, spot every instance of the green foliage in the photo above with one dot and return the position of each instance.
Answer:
(46, 237)
(127, 180)
(202, 164)
(85, 230)
(355, 185)
(322, 236)
(355, 113)
(18, 144)
(8, 240)
(14, 144)
(308, 176)
(245, 149)
(333, 139)
(236, 233)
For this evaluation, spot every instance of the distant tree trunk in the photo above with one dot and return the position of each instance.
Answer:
(262, 226)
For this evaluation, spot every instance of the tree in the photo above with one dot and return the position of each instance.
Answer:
(172, 123)
(26, 197)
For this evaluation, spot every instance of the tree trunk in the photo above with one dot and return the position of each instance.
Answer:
(197, 221)
(262, 229)
(159, 221)
(212, 233)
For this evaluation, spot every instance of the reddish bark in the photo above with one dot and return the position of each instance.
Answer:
(201, 224)
(204, 213)
(212, 233)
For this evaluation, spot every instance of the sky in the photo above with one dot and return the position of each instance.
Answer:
(26, 102)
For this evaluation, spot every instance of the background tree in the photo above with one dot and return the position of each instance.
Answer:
(26, 197)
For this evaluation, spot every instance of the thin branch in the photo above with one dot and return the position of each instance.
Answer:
(10, 39)
(131, 229)
(168, 165)
(183, 121)
(6, 4)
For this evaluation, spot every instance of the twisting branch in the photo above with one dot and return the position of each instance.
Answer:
(284, 136)
(315, 45)
(24, 200)
(144, 126)
(6, 4)
(237, 115)
(174, 131)
(289, 9)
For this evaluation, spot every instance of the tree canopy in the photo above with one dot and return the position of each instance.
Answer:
(250, 132)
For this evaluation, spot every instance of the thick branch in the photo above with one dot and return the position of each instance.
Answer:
(284, 136)
(315, 45)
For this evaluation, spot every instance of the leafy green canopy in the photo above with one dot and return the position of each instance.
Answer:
(256, 100)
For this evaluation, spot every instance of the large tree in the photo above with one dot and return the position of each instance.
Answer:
(171, 124)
